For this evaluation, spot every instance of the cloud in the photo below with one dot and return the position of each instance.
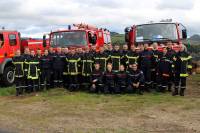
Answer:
(35, 17)
(176, 4)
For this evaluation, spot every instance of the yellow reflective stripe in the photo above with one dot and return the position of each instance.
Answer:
(183, 75)
(11, 55)
(101, 58)
(173, 66)
(72, 61)
(26, 62)
(18, 63)
(115, 57)
(189, 66)
(32, 63)
(132, 57)
(186, 58)
(89, 61)
(1, 56)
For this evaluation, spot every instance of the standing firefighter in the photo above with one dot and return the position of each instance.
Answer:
(135, 80)
(181, 66)
(145, 60)
(18, 62)
(96, 80)
(115, 58)
(170, 54)
(164, 71)
(155, 60)
(132, 57)
(26, 57)
(101, 57)
(124, 54)
(87, 65)
(33, 72)
(73, 64)
(58, 66)
(45, 67)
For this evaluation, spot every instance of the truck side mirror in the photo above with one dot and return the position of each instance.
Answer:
(184, 34)
(44, 41)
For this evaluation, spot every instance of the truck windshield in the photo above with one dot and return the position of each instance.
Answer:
(69, 38)
(156, 32)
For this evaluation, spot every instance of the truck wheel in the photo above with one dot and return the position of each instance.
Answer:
(8, 76)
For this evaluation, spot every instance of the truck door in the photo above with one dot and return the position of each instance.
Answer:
(14, 44)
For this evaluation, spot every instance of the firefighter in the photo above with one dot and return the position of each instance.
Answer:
(80, 53)
(109, 80)
(58, 67)
(102, 58)
(39, 55)
(66, 52)
(33, 72)
(109, 49)
(124, 54)
(135, 80)
(164, 71)
(132, 57)
(45, 67)
(93, 49)
(121, 80)
(115, 58)
(181, 66)
(145, 61)
(170, 54)
(87, 66)
(18, 62)
(26, 57)
(155, 60)
(73, 64)
(96, 79)
(51, 54)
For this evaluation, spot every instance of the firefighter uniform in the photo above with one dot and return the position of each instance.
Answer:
(132, 58)
(87, 66)
(156, 58)
(18, 62)
(51, 71)
(170, 55)
(124, 57)
(102, 59)
(58, 61)
(33, 73)
(145, 62)
(96, 82)
(40, 76)
(66, 72)
(181, 66)
(26, 65)
(121, 81)
(45, 67)
(164, 72)
(73, 64)
(135, 77)
(109, 82)
(115, 59)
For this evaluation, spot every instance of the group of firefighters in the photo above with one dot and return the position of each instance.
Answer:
(110, 70)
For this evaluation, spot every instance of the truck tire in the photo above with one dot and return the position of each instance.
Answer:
(8, 76)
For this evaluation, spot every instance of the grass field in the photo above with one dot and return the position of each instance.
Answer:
(61, 111)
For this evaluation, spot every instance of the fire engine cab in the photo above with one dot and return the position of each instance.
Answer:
(10, 41)
(160, 32)
(80, 35)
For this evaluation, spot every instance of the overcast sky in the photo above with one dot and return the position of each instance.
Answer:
(35, 17)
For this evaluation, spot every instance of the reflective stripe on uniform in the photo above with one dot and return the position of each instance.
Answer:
(183, 75)
(189, 66)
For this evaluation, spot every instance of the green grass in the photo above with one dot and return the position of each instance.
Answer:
(7, 91)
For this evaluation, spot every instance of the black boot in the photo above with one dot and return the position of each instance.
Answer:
(175, 91)
(17, 92)
(182, 91)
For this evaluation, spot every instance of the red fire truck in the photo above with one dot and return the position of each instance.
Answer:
(160, 32)
(10, 41)
(80, 35)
